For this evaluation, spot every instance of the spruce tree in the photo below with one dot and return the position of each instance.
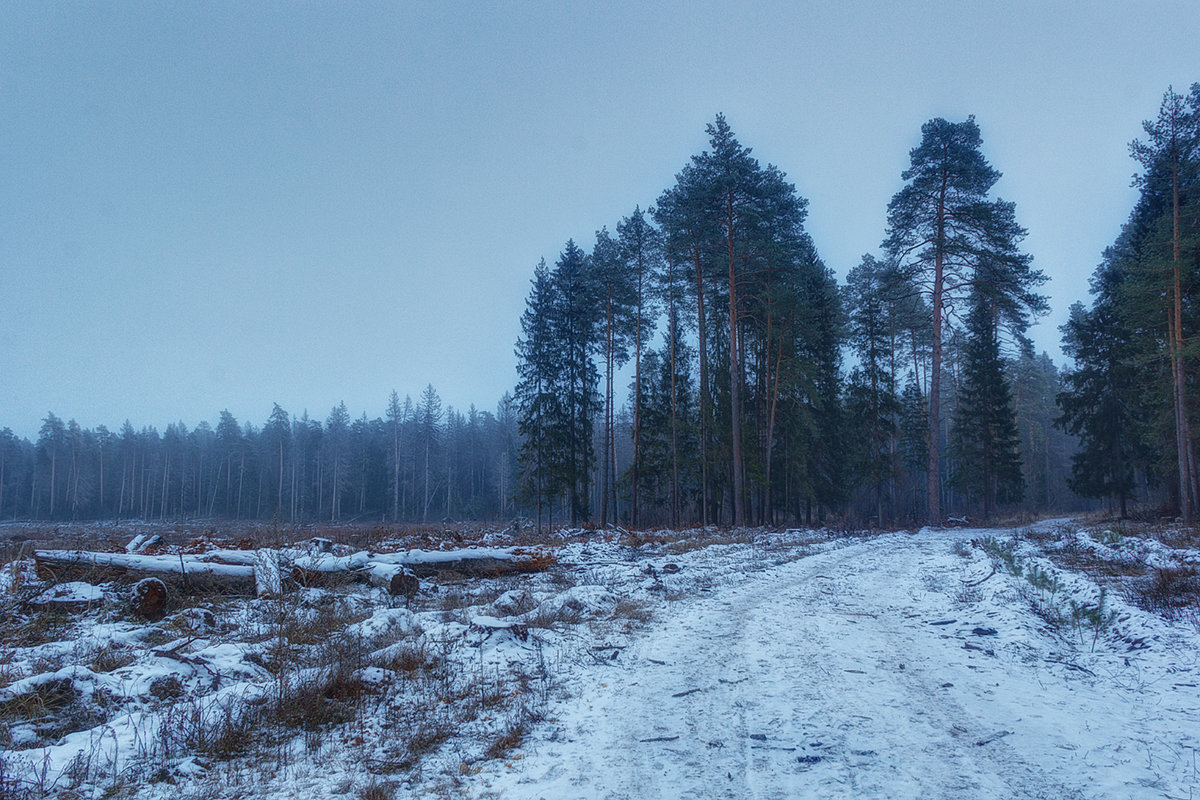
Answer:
(575, 322)
(539, 409)
(985, 429)
(1104, 401)
(872, 392)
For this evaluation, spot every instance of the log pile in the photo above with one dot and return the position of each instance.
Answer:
(263, 571)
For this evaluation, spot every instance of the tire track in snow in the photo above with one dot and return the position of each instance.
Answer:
(794, 684)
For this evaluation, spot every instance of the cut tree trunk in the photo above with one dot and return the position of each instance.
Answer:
(260, 571)
(188, 572)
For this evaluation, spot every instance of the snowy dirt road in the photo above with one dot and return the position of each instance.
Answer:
(867, 671)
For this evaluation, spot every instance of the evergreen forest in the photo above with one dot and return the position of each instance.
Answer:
(699, 363)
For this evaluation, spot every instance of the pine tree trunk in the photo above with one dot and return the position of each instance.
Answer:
(121, 496)
(706, 490)
(892, 443)
(768, 503)
(162, 511)
(292, 503)
(53, 463)
(637, 405)
(933, 475)
(735, 382)
(74, 484)
(608, 401)
(674, 409)
(1182, 435)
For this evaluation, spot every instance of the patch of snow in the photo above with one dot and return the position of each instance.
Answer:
(512, 603)
(579, 602)
(75, 592)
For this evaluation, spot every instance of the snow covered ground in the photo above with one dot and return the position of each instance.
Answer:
(937, 664)
(872, 671)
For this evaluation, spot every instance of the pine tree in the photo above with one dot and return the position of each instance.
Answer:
(683, 218)
(52, 448)
(1171, 159)
(395, 418)
(277, 434)
(641, 251)
(11, 461)
(730, 170)
(763, 306)
(337, 435)
(946, 237)
(615, 290)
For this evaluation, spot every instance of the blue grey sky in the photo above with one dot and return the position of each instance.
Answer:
(228, 205)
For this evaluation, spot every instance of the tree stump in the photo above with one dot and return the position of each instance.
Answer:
(149, 598)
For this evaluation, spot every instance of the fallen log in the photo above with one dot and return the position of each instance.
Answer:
(189, 573)
(261, 572)
(471, 560)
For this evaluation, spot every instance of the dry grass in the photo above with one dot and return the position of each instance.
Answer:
(376, 789)
(41, 626)
(672, 542)
(1173, 592)
(1073, 556)
(1180, 537)
(199, 726)
(325, 681)
(44, 699)
(10, 787)
(550, 616)
(56, 708)
(508, 740)
(406, 658)
(634, 610)
(110, 656)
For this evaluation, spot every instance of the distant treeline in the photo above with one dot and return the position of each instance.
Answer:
(421, 462)
(762, 393)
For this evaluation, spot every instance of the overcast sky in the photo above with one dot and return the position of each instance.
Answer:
(208, 206)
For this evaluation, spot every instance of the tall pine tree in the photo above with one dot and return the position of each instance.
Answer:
(1170, 156)
(946, 237)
